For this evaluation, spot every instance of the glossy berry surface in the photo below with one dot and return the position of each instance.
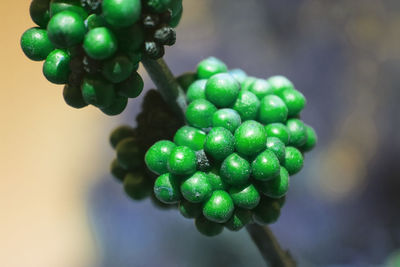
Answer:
(227, 118)
(277, 187)
(250, 138)
(100, 43)
(56, 68)
(297, 131)
(117, 69)
(219, 207)
(278, 130)
(239, 219)
(209, 67)
(261, 88)
(36, 44)
(208, 228)
(121, 13)
(190, 137)
(182, 161)
(166, 189)
(247, 105)
(279, 83)
(293, 160)
(235, 170)
(190, 210)
(197, 90)
(246, 196)
(219, 143)
(265, 166)
(294, 100)
(196, 188)
(278, 147)
(312, 139)
(200, 113)
(157, 156)
(98, 92)
(222, 90)
(117, 106)
(272, 109)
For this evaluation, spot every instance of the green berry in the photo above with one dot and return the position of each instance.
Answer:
(137, 185)
(277, 187)
(166, 189)
(238, 74)
(120, 133)
(94, 21)
(39, 11)
(209, 67)
(121, 13)
(217, 183)
(157, 156)
(57, 6)
(98, 92)
(246, 197)
(203, 163)
(187, 79)
(222, 90)
(235, 170)
(207, 227)
(129, 154)
(311, 139)
(219, 208)
(131, 87)
(272, 109)
(66, 29)
(250, 138)
(239, 219)
(261, 88)
(199, 113)
(219, 143)
(278, 147)
(157, 6)
(197, 90)
(56, 67)
(267, 211)
(266, 166)
(117, 171)
(117, 107)
(176, 17)
(189, 210)
(294, 100)
(248, 83)
(227, 118)
(247, 105)
(279, 84)
(36, 44)
(117, 68)
(196, 188)
(182, 161)
(190, 137)
(73, 96)
(298, 132)
(100, 43)
(293, 160)
(278, 130)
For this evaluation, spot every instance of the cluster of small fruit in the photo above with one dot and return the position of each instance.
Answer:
(231, 164)
(94, 46)
(154, 122)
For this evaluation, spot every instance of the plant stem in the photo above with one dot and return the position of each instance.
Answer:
(269, 247)
(173, 94)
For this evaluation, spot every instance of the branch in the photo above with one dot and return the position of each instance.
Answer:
(269, 247)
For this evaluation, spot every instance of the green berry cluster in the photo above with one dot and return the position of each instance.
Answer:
(230, 165)
(156, 121)
(94, 47)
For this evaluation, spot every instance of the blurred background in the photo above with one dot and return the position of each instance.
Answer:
(60, 206)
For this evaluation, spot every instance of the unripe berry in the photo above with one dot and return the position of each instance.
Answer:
(36, 44)
(120, 133)
(117, 106)
(98, 92)
(207, 227)
(129, 154)
(277, 187)
(247, 105)
(190, 210)
(219, 208)
(227, 118)
(222, 90)
(190, 137)
(56, 68)
(157, 156)
(266, 166)
(209, 67)
(279, 84)
(196, 90)
(235, 170)
(278, 147)
(239, 219)
(219, 143)
(166, 189)
(182, 161)
(73, 96)
(100, 43)
(131, 87)
(261, 88)
(121, 13)
(278, 130)
(293, 160)
(267, 211)
(196, 188)
(137, 185)
(298, 132)
(245, 196)
(250, 138)
(312, 139)
(199, 113)
(272, 109)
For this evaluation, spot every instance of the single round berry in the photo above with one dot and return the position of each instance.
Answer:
(267, 211)
(272, 109)
(121, 13)
(100, 43)
(56, 67)
(73, 96)
(157, 6)
(216, 181)
(182, 161)
(131, 87)
(176, 16)
(117, 171)
(247, 105)
(239, 219)
(137, 185)
(219, 143)
(278, 130)
(197, 90)
(98, 92)
(246, 197)
(227, 118)
(278, 147)
(157, 156)
(196, 188)
(129, 154)
(207, 227)
(57, 6)
(261, 88)
(298, 132)
(219, 208)
(203, 163)
(312, 139)
(294, 100)
(36, 44)
(279, 84)
(222, 90)
(190, 137)
(166, 188)
(250, 138)
(117, 106)
(209, 67)
(235, 170)
(189, 210)
(266, 166)
(277, 187)
(66, 29)
(293, 160)
(117, 69)
(120, 133)
(39, 11)
(199, 113)
(248, 83)
(238, 74)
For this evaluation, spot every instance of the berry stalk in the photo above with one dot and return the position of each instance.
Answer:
(173, 94)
